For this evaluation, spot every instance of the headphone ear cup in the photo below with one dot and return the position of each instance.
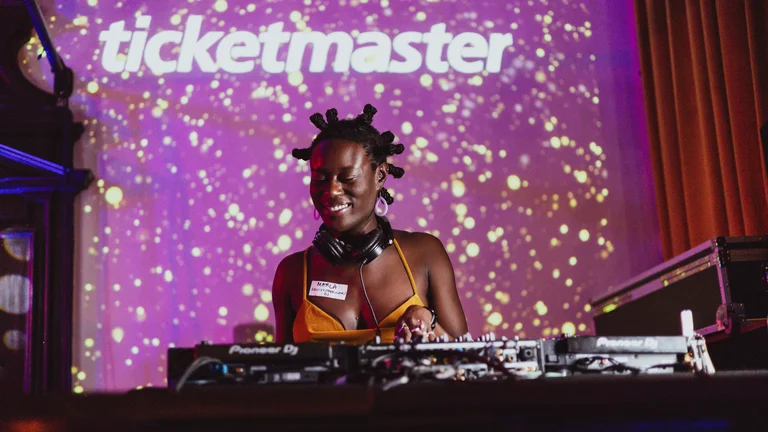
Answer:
(380, 239)
(338, 252)
(331, 248)
(336, 247)
(367, 251)
(388, 235)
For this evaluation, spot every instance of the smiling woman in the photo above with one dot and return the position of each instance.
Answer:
(355, 276)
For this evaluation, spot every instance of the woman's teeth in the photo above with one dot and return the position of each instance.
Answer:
(339, 207)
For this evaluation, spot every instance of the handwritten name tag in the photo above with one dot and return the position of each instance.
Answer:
(328, 289)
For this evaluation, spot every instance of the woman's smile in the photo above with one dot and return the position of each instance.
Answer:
(338, 209)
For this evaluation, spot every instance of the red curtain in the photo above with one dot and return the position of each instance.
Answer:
(705, 81)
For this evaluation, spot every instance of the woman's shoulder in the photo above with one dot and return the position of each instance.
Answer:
(289, 271)
(418, 241)
(292, 262)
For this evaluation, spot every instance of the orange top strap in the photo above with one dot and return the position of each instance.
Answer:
(313, 324)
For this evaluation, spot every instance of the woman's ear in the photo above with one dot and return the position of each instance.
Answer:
(381, 174)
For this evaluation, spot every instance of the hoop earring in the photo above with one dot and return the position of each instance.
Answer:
(380, 201)
(316, 214)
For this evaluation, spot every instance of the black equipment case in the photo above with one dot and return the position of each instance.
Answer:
(723, 281)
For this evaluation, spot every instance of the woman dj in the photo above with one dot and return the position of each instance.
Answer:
(361, 278)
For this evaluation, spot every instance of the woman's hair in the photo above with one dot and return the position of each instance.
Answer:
(377, 146)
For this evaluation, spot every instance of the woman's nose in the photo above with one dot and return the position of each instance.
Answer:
(334, 188)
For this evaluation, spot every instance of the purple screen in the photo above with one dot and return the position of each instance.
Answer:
(525, 154)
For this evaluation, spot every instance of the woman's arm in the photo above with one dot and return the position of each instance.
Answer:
(442, 295)
(281, 298)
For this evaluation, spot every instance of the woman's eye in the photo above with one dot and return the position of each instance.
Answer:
(320, 179)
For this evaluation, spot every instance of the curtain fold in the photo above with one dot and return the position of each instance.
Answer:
(705, 79)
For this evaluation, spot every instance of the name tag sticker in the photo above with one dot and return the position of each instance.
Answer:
(328, 289)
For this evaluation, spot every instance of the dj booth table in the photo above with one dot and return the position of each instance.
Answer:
(679, 402)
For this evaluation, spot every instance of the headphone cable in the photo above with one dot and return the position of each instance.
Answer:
(370, 306)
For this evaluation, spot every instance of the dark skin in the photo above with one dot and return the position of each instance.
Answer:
(343, 174)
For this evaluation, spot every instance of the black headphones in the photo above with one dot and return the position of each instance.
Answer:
(370, 246)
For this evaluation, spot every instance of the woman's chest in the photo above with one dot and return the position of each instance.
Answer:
(344, 292)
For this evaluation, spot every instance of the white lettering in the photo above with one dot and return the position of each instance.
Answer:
(272, 40)
(112, 39)
(321, 44)
(255, 350)
(152, 52)
(497, 45)
(236, 53)
(467, 45)
(619, 343)
(435, 40)
(374, 58)
(228, 52)
(402, 45)
(138, 42)
(651, 343)
(195, 47)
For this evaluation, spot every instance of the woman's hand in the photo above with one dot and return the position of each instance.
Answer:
(415, 325)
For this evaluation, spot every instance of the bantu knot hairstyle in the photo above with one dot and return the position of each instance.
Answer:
(377, 145)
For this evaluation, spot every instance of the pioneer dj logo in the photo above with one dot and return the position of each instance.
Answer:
(649, 343)
(286, 349)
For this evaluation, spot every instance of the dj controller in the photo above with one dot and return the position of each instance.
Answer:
(387, 365)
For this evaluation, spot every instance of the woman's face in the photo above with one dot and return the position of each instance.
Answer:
(344, 186)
